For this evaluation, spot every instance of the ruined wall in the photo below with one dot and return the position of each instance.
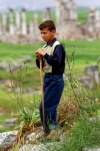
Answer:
(66, 22)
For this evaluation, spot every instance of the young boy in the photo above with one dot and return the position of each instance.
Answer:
(53, 63)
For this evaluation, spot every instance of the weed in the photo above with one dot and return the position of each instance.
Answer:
(26, 117)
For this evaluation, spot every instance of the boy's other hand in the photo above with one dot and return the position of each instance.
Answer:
(38, 56)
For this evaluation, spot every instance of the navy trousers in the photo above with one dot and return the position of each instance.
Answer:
(53, 87)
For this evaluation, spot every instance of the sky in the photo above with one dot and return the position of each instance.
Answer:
(40, 4)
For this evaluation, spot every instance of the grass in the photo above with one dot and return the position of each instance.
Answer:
(84, 134)
(85, 51)
(9, 105)
(17, 50)
(3, 117)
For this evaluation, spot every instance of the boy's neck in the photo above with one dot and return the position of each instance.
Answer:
(50, 40)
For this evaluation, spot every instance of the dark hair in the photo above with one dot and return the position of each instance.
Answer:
(47, 24)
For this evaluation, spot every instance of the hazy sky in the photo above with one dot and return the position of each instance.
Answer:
(35, 4)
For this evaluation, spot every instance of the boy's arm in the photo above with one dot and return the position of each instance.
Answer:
(56, 58)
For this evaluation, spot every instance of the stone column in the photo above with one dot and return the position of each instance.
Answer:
(66, 11)
(58, 12)
(74, 11)
(36, 23)
(0, 27)
(91, 20)
(31, 28)
(70, 9)
(4, 23)
(17, 22)
(64, 14)
(62, 18)
(97, 20)
(46, 14)
(24, 26)
(0, 30)
(11, 26)
(95, 73)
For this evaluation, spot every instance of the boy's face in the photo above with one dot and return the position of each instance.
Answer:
(47, 35)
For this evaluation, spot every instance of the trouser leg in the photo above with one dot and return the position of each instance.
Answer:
(53, 87)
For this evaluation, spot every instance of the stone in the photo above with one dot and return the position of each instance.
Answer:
(10, 122)
(7, 139)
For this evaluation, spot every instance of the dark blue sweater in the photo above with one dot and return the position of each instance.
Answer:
(57, 60)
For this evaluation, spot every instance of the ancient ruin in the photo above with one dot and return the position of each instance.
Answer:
(15, 29)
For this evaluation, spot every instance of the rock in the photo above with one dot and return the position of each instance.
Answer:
(7, 139)
(33, 136)
(26, 59)
(30, 147)
(10, 122)
(89, 149)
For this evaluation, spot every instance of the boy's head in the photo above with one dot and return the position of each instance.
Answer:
(47, 24)
(48, 30)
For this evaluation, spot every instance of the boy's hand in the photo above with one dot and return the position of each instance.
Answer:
(41, 52)
(38, 56)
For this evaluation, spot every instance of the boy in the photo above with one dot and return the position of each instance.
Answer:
(53, 63)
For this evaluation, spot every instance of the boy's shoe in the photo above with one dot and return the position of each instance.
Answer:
(53, 136)
(43, 137)
(49, 137)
